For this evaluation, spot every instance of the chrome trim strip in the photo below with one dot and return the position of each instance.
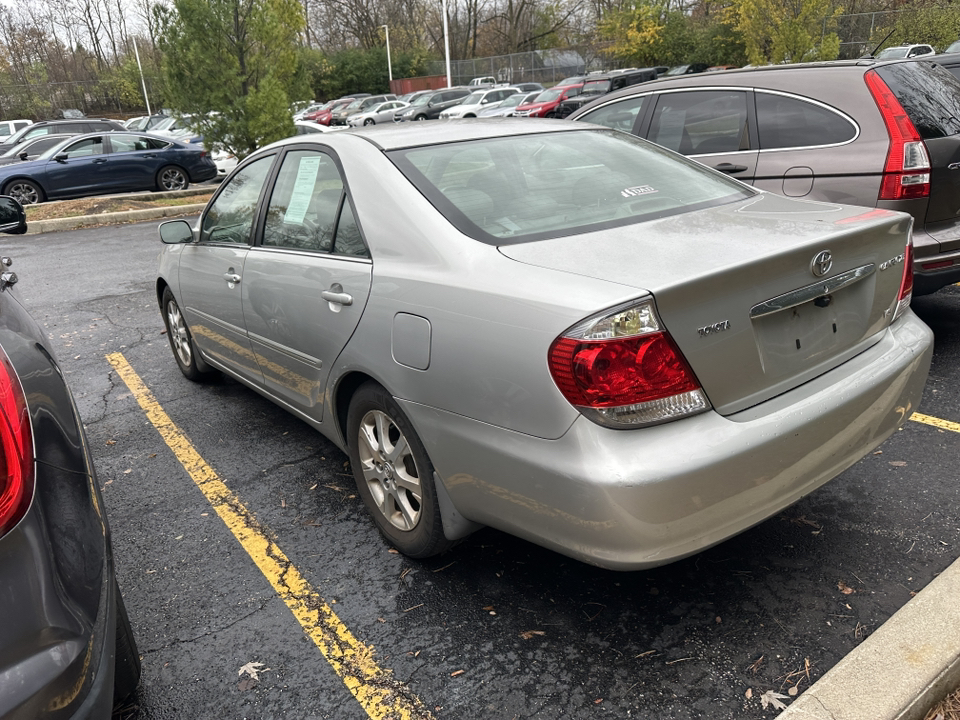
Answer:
(312, 253)
(811, 292)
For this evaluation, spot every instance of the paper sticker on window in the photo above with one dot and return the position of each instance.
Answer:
(638, 190)
(302, 190)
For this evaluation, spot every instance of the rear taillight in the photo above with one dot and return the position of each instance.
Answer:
(906, 173)
(622, 370)
(906, 282)
(16, 448)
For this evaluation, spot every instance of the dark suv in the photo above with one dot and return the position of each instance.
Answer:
(597, 85)
(430, 105)
(885, 134)
(72, 127)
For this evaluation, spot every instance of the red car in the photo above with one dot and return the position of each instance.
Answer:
(545, 103)
(323, 115)
(325, 108)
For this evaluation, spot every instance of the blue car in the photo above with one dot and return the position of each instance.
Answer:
(103, 163)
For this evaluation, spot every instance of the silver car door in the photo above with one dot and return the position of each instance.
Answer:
(306, 283)
(211, 271)
(708, 125)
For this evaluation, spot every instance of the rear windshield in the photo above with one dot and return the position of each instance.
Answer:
(929, 93)
(549, 95)
(532, 187)
(596, 86)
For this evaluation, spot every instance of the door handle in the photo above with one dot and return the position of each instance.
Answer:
(231, 277)
(729, 168)
(150, 155)
(954, 166)
(99, 161)
(340, 298)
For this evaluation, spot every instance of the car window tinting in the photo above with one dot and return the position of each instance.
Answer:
(784, 122)
(230, 218)
(532, 187)
(619, 115)
(305, 204)
(928, 93)
(128, 143)
(84, 148)
(701, 122)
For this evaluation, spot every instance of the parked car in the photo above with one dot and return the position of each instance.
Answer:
(545, 104)
(528, 87)
(145, 122)
(508, 106)
(72, 127)
(325, 115)
(905, 51)
(472, 104)
(534, 325)
(690, 69)
(9, 127)
(66, 642)
(429, 105)
(950, 61)
(598, 85)
(340, 115)
(411, 96)
(32, 149)
(721, 68)
(379, 113)
(953, 47)
(305, 127)
(99, 164)
(482, 82)
(883, 134)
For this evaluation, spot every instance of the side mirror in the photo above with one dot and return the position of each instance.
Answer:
(23, 155)
(175, 232)
(13, 219)
(61, 157)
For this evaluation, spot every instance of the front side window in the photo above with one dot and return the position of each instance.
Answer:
(230, 218)
(784, 122)
(532, 187)
(701, 122)
(84, 148)
(619, 115)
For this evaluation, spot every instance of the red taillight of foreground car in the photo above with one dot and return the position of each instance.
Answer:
(622, 370)
(16, 448)
(906, 282)
(906, 173)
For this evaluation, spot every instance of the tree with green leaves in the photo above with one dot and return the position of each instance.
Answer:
(232, 66)
(776, 31)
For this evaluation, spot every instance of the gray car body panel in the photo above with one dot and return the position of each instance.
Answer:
(459, 330)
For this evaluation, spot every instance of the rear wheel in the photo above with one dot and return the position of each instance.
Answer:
(393, 473)
(25, 192)
(172, 178)
(181, 341)
(127, 664)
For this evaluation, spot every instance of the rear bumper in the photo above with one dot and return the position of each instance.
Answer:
(930, 273)
(627, 500)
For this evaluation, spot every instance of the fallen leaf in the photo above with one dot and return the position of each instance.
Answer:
(528, 634)
(488, 607)
(127, 471)
(457, 672)
(598, 701)
(393, 551)
(111, 442)
(314, 486)
(898, 463)
(253, 669)
(792, 692)
(770, 697)
(748, 694)
(844, 588)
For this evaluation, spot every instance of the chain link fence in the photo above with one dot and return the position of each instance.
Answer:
(45, 100)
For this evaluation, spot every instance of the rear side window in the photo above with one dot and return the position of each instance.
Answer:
(929, 94)
(619, 115)
(788, 122)
(701, 122)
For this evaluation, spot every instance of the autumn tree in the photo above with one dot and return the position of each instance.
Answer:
(231, 65)
(776, 31)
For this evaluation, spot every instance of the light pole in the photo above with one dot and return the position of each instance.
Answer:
(142, 81)
(446, 42)
(386, 30)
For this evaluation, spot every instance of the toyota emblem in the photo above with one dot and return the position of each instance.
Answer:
(821, 263)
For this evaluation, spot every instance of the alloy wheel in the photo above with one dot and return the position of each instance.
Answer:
(173, 179)
(24, 193)
(390, 470)
(179, 335)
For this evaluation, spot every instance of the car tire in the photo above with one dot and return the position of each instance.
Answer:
(127, 670)
(418, 118)
(369, 121)
(171, 177)
(26, 192)
(384, 448)
(469, 115)
(181, 339)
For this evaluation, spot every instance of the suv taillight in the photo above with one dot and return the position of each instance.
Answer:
(16, 448)
(906, 174)
(622, 370)
(906, 282)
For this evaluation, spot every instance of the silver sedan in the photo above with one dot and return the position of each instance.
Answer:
(551, 328)
(382, 113)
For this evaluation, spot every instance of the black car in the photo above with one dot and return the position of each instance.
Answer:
(597, 85)
(70, 127)
(950, 61)
(65, 640)
(430, 105)
(32, 149)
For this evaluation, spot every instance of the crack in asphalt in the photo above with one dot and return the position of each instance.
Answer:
(179, 641)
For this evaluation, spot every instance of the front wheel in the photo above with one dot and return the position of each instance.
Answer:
(181, 341)
(24, 191)
(419, 118)
(369, 121)
(393, 473)
(172, 178)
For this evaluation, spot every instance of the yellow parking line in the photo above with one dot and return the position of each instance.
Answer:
(380, 695)
(936, 422)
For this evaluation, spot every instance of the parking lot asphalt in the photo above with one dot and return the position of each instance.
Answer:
(496, 628)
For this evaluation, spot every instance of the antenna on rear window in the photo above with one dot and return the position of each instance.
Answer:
(879, 45)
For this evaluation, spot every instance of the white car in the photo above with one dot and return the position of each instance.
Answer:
(479, 100)
(905, 51)
(381, 113)
(506, 108)
(9, 127)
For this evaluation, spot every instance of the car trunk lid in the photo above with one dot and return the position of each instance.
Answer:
(739, 287)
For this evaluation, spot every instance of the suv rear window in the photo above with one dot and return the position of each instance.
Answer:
(786, 122)
(532, 187)
(929, 94)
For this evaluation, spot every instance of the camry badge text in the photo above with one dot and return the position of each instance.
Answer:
(896, 260)
(715, 328)
(821, 263)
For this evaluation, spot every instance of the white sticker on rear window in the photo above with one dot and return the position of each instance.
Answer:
(638, 190)
(302, 190)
